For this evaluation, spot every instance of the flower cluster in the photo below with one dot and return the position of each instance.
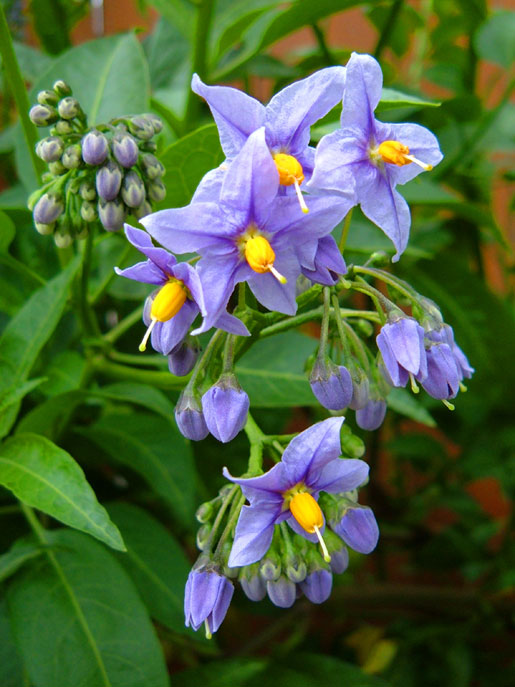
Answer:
(94, 175)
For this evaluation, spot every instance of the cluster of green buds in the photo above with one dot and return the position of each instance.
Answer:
(101, 174)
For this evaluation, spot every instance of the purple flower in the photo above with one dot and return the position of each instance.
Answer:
(248, 234)
(358, 529)
(125, 150)
(182, 359)
(373, 157)
(328, 263)
(207, 597)
(444, 334)
(443, 375)
(331, 384)
(287, 120)
(225, 407)
(289, 491)
(401, 342)
(282, 592)
(190, 418)
(94, 148)
(371, 416)
(317, 586)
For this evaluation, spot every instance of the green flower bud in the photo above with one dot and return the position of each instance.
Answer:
(82, 234)
(148, 146)
(71, 158)
(364, 327)
(141, 127)
(295, 568)
(157, 123)
(47, 98)
(62, 240)
(42, 115)
(270, 568)
(69, 108)
(88, 211)
(156, 191)
(205, 512)
(144, 209)
(151, 166)
(62, 128)
(62, 89)
(203, 536)
(57, 168)
(50, 149)
(44, 229)
(352, 445)
(87, 191)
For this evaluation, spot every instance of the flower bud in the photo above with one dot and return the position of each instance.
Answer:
(141, 127)
(111, 214)
(282, 592)
(125, 150)
(182, 359)
(339, 560)
(63, 128)
(108, 180)
(360, 388)
(317, 586)
(352, 445)
(156, 191)
(62, 239)
(148, 146)
(295, 568)
(358, 529)
(144, 209)
(87, 191)
(42, 115)
(270, 566)
(48, 208)
(47, 98)
(203, 536)
(252, 583)
(225, 407)
(205, 512)
(331, 385)
(44, 229)
(151, 166)
(69, 108)
(371, 416)
(156, 122)
(71, 158)
(133, 190)
(94, 148)
(189, 417)
(57, 168)
(88, 211)
(50, 149)
(443, 375)
(61, 88)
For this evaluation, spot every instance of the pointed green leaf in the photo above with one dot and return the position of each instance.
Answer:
(21, 551)
(392, 99)
(138, 394)
(42, 475)
(406, 404)
(78, 620)
(11, 667)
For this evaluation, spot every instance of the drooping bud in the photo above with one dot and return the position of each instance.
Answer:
(42, 115)
(207, 597)
(270, 566)
(360, 388)
(352, 445)
(225, 407)
(156, 191)
(125, 150)
(94, 148)
(111, 214)
(189, 416)
(50, 149)
(252, 583)
(182, 359)
(61, 88)
(317, 586)
(62, 239)
(88, 211)
(47, 98)
(203, 536)
(141, 127)
(443, 376)
(358, 528)
(371, 416)
(69, 108)
(108, 180)
(48, 208)
(295, 568)
(71, 158)
(144, 209)
(151, 166)
(87, 191)
(133, 190)
(331, 384)
(282, 592)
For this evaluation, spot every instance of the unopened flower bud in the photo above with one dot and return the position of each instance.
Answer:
(295, 568)
(270, 567)
(205, 512)
(88, 211)
(371, 416)
(62, 89)
(48, 208)
(47, 98)
(358, 528)
(42, 115)
(144, 209)
(141, 127)
(69, 108)
(360, 388)
(151, 166)
(71, 158)
(94, 148)
(189, 417)
(252, 583)
(331, 384)
(225, 407)
(203, 536)
(111, 214)
(156, 121)
(352, 445)
(62, 239)
(148, 146)
(282, 592)
(125, 150)
(87, 191)
(63, 127)
(133, 190)
(57, 168)
(317, 586)
(108, 180)
(44, 229)
(156, 191)
(50, 149)
(182, 359)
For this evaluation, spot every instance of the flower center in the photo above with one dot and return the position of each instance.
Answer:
(396, 153)
(260, 255)
(169, 300)
(291, 173)
(307, 513)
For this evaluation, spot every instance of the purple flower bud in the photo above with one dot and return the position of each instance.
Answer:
(48, 208)
(125, 150)
(69, 108)
(360, 388)
(463, 365)
(253, 584)
(42, 115)
(207, 597)
(156, 191)
(94, 148)
(282, 592)
(189, 417)
(133, 190)
(225, 407)
(141, 127)
(358, 529)
(372, 415)
(151, 166)
(317, 586)
(331, 385)
(401, 343)
(108, 180)
(339, 560)
(50, 149)
(112, 214)
(443, 376)
(182, 359)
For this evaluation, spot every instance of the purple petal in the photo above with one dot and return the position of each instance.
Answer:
(338, 156)
(218, 276)
(254, 533)
(282, 592)
(210, 186)
(371, 416)
(358, 529)
(328, 264)
(225, 411)
(142, 241)
(233, 325)
(236, 114)
(421, 143)
(341, 474)
(146, 272)
(362, 92)
(167, 335)
(406, 341)
(270, 292)
(189, 276)
(289, 222)
(223, 601)
(269, 486)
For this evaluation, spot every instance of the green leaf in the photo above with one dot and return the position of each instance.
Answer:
(154, 448)
(64, 373)
(186, 162)
(494, 39)
(392, 99)
(405, 403)
(156, 564)
(78, 620)
(11, 667)
(272, 371)
(7, 232)
(27, 333)
(22, 551)
(15, 394)
(50, 419)
(233, 671)
(138, 394)
(43, 476)
(167, 50)
(178, 13)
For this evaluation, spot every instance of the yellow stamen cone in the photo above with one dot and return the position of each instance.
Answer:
(291, 173)
(260, 257)
(167, 303)
(396, 153)
(307, 513)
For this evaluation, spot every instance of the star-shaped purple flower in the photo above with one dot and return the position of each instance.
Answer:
(401, 342)
(249, 234)
(372, 157)
(310, 464)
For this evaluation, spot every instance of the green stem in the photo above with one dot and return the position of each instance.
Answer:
(22, 268)
(397, 283)
(344, 329)
(199, 61)
(322, 44)
(257, 440)
(388, 28)
(233, 516)
(228, 357)
(219, 517)
(88, 316)
(339, 325)
(161, 380)
(325, 322)
(119, 330)
(15, 78)
(9, 510)
(138, 359)
(206, 357)
(111, 275)
(345, 231)
(315, 314)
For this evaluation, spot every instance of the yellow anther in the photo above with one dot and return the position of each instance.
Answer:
(167, 303)
(307, 513)
(396, 153)
(260, 256)
(291, 173)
